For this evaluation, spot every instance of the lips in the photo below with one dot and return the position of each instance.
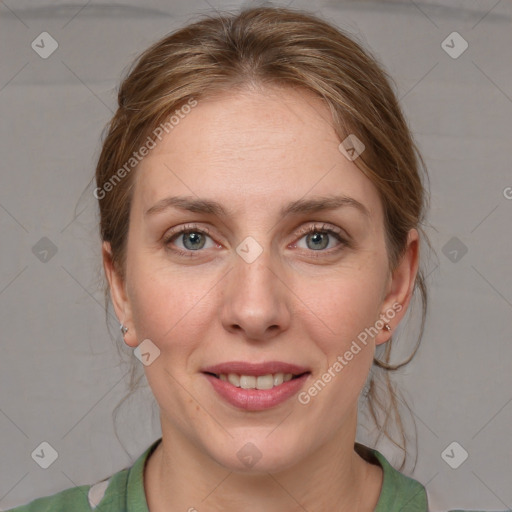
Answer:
(256, 386)
(255, 369)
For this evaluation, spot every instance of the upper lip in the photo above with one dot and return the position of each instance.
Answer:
(255, 369)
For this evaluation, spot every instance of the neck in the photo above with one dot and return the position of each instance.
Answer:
(178, 476)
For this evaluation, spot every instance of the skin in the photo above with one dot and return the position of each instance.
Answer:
(255, 151)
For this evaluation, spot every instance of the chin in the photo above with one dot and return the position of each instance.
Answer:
(258, 455)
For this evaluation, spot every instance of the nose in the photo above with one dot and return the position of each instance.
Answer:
(256, 300)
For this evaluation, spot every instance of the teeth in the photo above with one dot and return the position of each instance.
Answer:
(260, 382)
(247, 381)
(234, 379)
(279, 378)
(265, 382)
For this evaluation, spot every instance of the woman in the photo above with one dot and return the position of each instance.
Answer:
(261, 206)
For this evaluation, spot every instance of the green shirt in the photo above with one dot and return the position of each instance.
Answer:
(124, 491)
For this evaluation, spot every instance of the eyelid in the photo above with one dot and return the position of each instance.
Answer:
(343, 238)
(322, 226)
(180, 230)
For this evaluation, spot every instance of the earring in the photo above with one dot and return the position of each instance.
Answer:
(123, 329)
(387, 327)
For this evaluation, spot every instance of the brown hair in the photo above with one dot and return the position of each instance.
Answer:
(283, 47)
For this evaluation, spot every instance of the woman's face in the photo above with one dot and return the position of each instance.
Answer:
(249, 284)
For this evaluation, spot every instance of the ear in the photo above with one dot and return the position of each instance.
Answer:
(400, 288)
(118, 295)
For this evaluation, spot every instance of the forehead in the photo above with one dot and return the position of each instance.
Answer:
(252, 149)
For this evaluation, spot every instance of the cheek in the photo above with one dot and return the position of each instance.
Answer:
(339, 315)
(174, 308)
(171, 311)
(169, 308)
(338, 320)
(343, 304)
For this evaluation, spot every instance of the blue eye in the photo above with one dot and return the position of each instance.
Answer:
(317, 239)
(196, 239)
(193, 239)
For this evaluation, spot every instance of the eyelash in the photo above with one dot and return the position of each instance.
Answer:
(192, 228)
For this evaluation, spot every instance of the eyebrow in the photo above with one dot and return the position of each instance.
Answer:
(206, 206)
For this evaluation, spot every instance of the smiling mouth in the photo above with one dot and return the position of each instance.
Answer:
(267, 381)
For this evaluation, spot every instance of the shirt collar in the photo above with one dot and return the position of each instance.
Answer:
(398, 490)
(135, 493)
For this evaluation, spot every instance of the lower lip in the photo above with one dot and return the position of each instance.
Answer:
(256, 399)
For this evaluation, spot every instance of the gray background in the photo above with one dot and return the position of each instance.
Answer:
(61, 374)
